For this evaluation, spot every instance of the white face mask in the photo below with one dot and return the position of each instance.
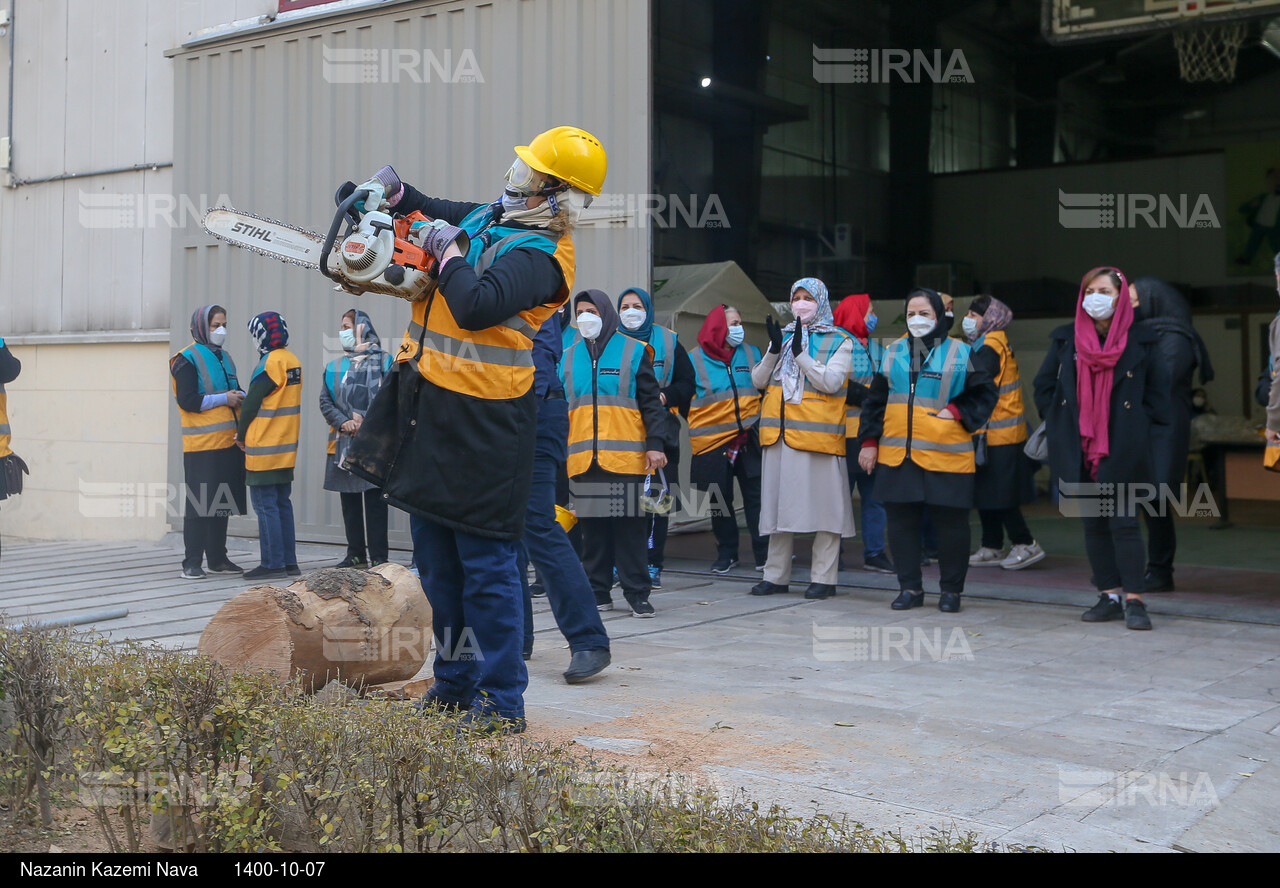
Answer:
(633, 318)
(920, 325)
(970, 326)
(217, 336)
(736, 335)
(1099, 306)
(589, 325)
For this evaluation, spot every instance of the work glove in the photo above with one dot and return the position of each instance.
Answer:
(437, 236)
(797, 340)
(775, 335)
(384, 185)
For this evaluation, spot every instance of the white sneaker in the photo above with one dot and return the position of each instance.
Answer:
(985, 557)
(1022, 556)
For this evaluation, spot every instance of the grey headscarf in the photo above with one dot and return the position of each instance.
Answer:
(359, 385)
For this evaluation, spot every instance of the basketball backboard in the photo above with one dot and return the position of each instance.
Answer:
(1067, 21)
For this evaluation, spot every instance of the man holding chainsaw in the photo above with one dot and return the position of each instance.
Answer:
(450, 438)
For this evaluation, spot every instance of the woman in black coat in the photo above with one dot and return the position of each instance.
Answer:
(1162, 308)
(929, 395)
(1103, 393)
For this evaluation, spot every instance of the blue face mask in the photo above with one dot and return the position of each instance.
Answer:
(871, 323)
(736, 335)
(347, 338)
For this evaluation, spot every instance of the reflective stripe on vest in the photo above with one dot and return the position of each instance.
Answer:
(605, 423)
(5, 434)
(272, 440)
(725, 401)
(936, 445)
(213, 429)
(862, 369)
(1008, 424)
(817, 424)
(662, 343)
(495, 363)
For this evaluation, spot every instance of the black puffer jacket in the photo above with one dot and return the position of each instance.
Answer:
(457, 460)
(1140, 410)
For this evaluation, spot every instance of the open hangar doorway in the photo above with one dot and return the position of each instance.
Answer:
(977, 146)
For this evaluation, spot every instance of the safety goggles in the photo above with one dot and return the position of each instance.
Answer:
(657, 502)
(524, 179)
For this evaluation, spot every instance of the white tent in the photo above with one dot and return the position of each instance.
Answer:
(683, 296)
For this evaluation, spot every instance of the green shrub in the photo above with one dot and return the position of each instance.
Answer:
(160, 743)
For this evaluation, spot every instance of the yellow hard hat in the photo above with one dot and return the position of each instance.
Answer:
(566, 518)
(570, 154)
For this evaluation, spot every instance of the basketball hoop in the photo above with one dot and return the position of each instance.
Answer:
(1208, 53)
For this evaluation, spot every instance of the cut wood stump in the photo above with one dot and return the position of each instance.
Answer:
(360, 627)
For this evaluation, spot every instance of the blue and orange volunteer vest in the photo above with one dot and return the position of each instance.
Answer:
(1008, 424)
(817, 423)
(495, 363)
(866, 361)
(272, 439)
(605, 423)
(725, 402)
(334, 373)
(936, 445)
(209, 429)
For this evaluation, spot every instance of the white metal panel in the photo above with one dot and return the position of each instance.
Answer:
(256, 119)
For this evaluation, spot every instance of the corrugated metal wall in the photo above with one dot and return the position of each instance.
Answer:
(257, 119)
(92, 91)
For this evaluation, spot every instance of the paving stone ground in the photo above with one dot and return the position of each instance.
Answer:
(1012, 719)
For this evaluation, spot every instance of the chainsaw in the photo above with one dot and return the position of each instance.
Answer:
(378, 252)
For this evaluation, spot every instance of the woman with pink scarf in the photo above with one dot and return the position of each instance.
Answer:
(1104, 395)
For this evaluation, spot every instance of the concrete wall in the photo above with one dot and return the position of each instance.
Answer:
(92, 425)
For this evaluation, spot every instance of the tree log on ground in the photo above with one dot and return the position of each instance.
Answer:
(361, 627)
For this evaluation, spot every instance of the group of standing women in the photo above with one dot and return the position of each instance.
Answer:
(234, 437)
(926, 428)
(939, 428)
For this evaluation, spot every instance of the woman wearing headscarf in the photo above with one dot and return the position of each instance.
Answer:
(205, 386)
(617, 425)
(267, 432)
(857, 315)
(931, 394)
(1002, 483)
(804, 486)
(1179, 347)
(723, 434)
(675, 384)
(1103, 394)
(350, 385)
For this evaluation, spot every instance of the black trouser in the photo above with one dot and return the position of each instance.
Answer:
(1116, 554)
(951, 525)
(715, 474)
(994, 522)
(616, 542)
(1162, 545)
(204, 537)
(361, 512)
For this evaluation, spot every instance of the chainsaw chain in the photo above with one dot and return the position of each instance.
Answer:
(311, 235)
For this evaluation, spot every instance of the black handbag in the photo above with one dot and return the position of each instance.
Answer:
(12, 468)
